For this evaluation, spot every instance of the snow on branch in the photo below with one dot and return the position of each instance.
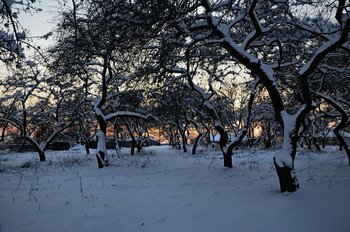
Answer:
(128, 114)
(259, 29)
(323, 51)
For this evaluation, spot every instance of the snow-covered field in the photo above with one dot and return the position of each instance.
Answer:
(167, 190)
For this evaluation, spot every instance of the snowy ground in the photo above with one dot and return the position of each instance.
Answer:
(167, 190)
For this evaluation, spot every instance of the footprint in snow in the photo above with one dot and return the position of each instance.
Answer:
(162, 220)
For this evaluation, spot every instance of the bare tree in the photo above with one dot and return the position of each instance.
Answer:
(280, 44)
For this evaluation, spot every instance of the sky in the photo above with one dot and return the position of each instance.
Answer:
(37, 24)
(40, 23)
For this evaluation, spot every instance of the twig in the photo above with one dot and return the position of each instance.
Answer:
(211, 162)
(20, 181)
(339, 166)
(81, 190)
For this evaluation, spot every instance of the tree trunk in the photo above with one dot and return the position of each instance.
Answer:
(323, 143)
(286, 176)
(116, 140)
(101, 153)
(316, 144)
(42, 156)
(184, 143)
(87, 147)
(21, 148)
(343, 144)
(284, 159)
(196, 143)
(343, 124)
(223, 145)
(228, 160)
(132, 149)
(99, 159)
(309, 144)
(139, 146)
(194, 148)
(3, 132)
(117, 148)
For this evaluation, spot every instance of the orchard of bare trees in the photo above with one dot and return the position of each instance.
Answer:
(181, 71)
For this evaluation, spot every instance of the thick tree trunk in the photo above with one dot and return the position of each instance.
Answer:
(228, 160)
(284, 159)
(223, 145)
(42, 156)
(286, 176)
(101, 153)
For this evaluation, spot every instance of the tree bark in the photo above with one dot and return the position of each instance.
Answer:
(139, 146)
(343, 144)
(101, 153)
(87, 147)
(42, 156)
(284, 159)
(228, 160)
(316, 144)
(132, 149)
(286, 176)
(223, 144)
(3, 131)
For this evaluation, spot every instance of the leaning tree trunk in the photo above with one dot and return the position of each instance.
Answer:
(343, 123)
(3, 131)
(42, 156)
(343, 143)
(38, 148)
(200, 136)
(198, 140)
(21, 148)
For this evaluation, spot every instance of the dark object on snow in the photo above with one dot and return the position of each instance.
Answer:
(288, 182)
